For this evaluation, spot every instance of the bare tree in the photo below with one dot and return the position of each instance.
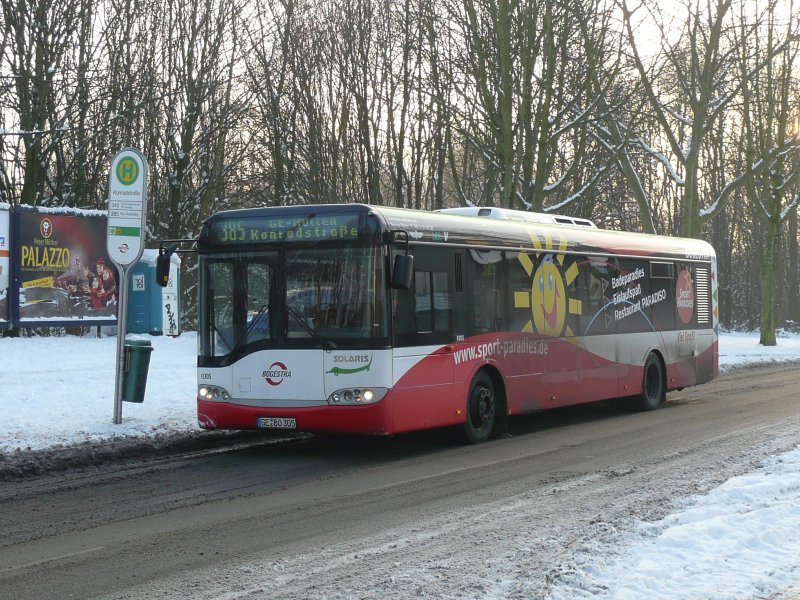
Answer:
(527, 84)
(770, 106)
(688, 90)
(39, 34)
(196, 112)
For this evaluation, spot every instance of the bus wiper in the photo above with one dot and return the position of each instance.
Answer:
(250, 326)
(325, 343)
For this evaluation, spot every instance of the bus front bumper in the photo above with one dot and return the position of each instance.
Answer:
(372, 419)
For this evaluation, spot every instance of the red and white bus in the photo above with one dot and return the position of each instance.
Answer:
(316, 318)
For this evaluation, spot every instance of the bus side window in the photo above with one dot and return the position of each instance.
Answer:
(258, 293)
(485, 272)
(434, 305)
(662, 290)
(631, 296)
(424, 314)
(486, 309)
(403, 313)
(423, 292)
(596, 285)
(220, 281)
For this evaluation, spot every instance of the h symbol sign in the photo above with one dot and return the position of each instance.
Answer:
(127, 171)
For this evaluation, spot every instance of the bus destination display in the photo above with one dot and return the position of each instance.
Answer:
(256, 230)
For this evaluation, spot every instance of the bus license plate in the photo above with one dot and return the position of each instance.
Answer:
(277, 423)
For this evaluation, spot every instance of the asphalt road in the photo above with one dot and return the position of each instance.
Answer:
(197, 525)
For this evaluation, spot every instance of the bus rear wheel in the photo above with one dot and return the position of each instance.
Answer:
(653, 383)
(481, 409)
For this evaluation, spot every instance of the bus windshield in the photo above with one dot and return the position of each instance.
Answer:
(306, 297)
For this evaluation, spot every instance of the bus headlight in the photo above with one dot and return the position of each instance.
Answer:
(213, 392)
(356, 396)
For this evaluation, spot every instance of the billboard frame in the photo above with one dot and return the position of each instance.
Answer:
(15, 283)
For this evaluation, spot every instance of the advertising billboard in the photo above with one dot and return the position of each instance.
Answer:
(63, 271)
(5, 264)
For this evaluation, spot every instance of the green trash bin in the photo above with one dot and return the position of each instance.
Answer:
(134, 369)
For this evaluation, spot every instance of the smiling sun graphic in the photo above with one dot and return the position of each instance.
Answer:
(548, 300)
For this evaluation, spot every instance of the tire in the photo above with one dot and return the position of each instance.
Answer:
(481, 409)
(653, 383)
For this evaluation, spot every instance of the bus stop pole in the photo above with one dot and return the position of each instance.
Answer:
(122, 322)
(127, 221)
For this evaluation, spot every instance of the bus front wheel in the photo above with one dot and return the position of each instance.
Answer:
(653, 383)
(481, 409)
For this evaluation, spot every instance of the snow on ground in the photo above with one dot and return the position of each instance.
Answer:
(59, 391)
(742, 540)
(742, 349)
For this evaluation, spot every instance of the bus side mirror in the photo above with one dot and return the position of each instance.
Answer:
(162, 265)
(402, 271)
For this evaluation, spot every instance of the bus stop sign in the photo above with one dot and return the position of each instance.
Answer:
(127, 207)
(127, 214)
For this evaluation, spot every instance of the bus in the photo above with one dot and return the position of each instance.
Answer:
(352, 318)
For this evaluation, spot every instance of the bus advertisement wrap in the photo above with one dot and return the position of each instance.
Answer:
(5, 266)
(64, 271)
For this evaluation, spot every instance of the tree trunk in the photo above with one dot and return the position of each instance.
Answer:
(769, 282)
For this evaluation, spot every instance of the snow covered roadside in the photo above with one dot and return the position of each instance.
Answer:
(741, 540)
(59, 391)
(743, 350)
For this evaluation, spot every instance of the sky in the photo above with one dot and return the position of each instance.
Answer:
(741, 540)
